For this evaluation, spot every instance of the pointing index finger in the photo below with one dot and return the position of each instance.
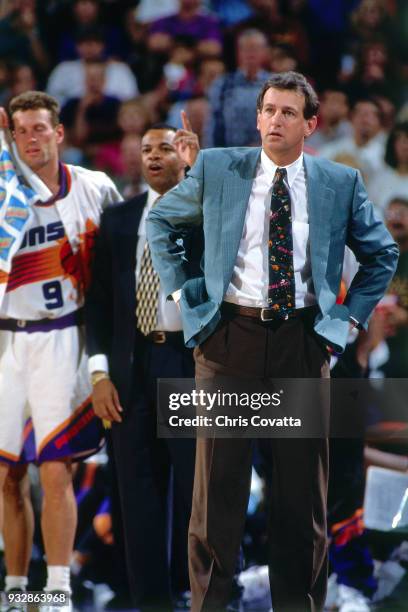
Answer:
(185, 121)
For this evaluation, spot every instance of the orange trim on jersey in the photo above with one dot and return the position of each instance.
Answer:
(55, 261)
(9, 456)
(67, 421)
(4, 276)
(35, 266)
(68, 177)
(27, 429)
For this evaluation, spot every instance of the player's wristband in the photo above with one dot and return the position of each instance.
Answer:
(98, 376)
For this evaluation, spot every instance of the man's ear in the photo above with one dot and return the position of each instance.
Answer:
(310, 125)
(59, 130)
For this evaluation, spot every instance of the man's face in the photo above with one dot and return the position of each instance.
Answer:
(334, 106)
(161, 166)
(36, 138)
(95, 78)
(282, 125)
(366, 120)
(90, 49)
(396, 217)
(252, 52)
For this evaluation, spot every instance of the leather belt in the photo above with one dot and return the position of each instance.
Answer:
(161, 337)
(43, 325)
(265, 314)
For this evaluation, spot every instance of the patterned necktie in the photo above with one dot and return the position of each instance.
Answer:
(147, 294)
(281, 289)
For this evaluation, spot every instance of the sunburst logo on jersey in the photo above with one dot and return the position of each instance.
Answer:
(56, 261)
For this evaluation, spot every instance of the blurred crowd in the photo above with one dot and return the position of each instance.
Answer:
(118, 66)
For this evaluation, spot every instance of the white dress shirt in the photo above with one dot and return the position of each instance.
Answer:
(250, 278)
(168, 315)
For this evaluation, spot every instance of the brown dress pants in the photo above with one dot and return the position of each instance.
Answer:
(245, 347)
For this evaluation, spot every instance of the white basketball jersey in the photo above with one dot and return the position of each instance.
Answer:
(48, 280)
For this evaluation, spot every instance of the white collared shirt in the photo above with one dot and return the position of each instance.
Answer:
(168, 315)
(250, 277)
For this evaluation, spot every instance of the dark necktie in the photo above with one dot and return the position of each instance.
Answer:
(281, 289)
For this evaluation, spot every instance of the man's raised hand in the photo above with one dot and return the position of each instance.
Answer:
(186, 142)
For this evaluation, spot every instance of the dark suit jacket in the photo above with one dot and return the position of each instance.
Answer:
(111, 301)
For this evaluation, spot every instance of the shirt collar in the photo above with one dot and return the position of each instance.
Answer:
(152, 196)
(269, 167)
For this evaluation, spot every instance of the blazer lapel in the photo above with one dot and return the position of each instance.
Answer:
(237, 187)
(320, 198)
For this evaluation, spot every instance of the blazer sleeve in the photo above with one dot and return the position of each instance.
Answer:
(376, 252)
(99, 298)
(171, 225)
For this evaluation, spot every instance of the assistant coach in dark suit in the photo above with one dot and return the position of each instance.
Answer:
(276, 222)
(129, 349)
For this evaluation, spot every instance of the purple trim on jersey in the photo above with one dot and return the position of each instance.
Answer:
(63, 189)
(43, 325)
(28, 454)
(82, 437)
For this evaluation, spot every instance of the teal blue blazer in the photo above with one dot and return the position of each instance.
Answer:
(215, 195)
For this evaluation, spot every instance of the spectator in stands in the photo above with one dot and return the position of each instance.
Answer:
(131, 181)
(197, 107)
(20, 39)
(392, 181)
(232, 97)
(189, 21)
(333, 119)
(146, 65)
(277, 28)
(179, 69)
(325, 23)
(282, 58)
(368, 22)
(134, 116)
(376, 72)
(87, 13)
(396, 312)
(67, 80)
(367, 142)
(92, 119)
(120, 159)
(22, 78)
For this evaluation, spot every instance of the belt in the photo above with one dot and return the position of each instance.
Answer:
(43, 325)
(265, 314)
(161, 337)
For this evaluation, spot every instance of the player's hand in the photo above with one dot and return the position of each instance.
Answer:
(105, 401)
(4, 122)
(186, 142)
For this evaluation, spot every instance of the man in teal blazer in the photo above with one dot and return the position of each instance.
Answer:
(241, 325)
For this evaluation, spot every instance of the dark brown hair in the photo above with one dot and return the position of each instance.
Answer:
(292, 81)
(35, 100)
